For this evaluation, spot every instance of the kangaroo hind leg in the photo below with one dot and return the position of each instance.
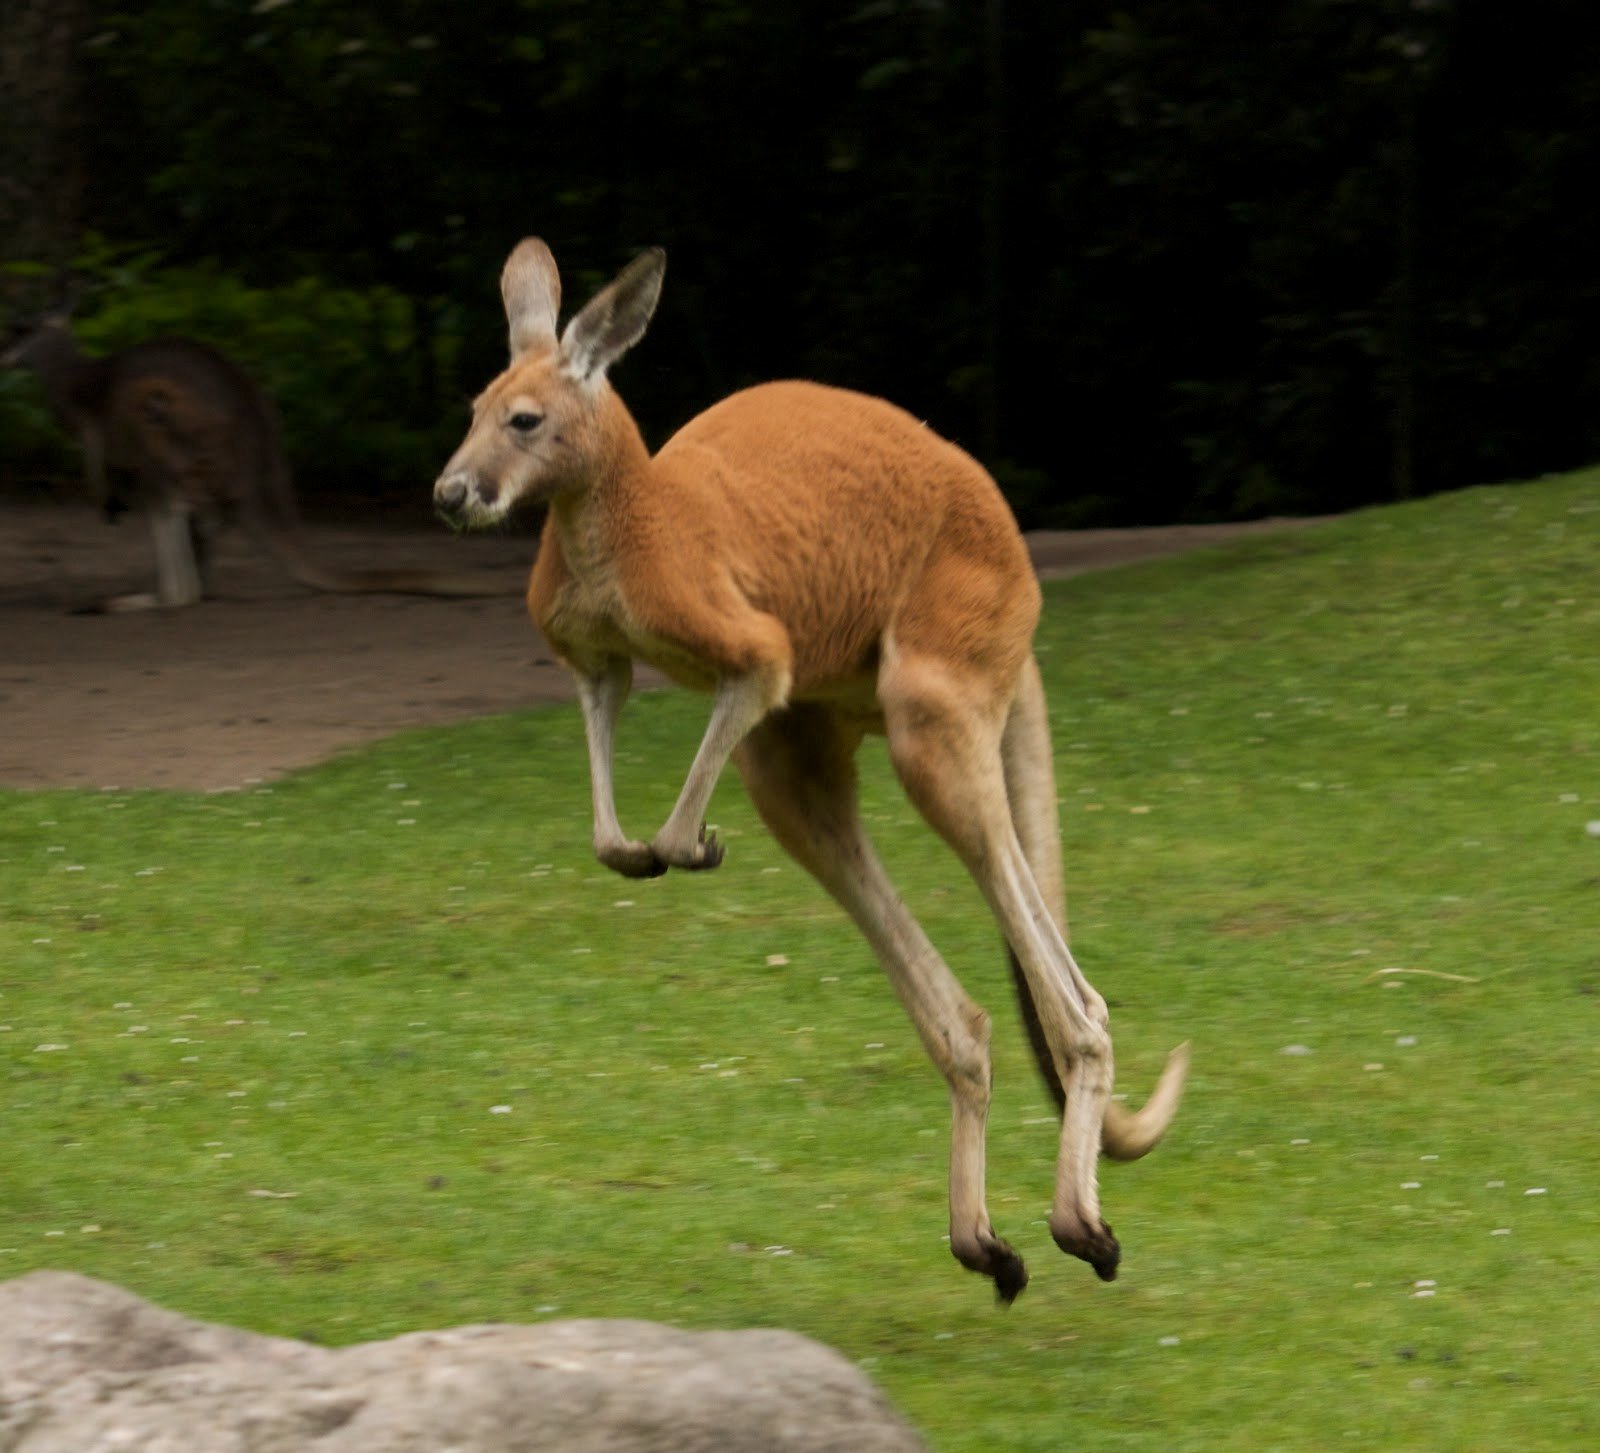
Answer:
(946, 723)
(799, 767)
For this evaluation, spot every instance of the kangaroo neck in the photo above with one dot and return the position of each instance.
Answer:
(592, 518)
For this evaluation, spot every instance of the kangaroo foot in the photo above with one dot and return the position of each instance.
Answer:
(986, 1253)
(1095, 1245)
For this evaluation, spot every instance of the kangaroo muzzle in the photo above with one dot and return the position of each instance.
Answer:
(450, 495)
(462, 498)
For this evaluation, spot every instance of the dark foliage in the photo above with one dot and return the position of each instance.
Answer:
(1152, 261)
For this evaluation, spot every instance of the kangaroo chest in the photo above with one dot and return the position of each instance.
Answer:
(577, 597)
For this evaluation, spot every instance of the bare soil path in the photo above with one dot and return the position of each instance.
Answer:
(269, 677)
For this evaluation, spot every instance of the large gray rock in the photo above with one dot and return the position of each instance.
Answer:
(86, 1367)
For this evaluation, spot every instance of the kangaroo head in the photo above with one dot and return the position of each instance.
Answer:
(543, 428)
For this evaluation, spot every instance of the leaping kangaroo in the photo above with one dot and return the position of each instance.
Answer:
(826, 566)
(176, 427)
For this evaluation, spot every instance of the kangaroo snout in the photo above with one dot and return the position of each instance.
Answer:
(463, 497)
(450, 495)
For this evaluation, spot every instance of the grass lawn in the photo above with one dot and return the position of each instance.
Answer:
(380, 1046)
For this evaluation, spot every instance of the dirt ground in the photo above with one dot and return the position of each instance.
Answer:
(270, 677)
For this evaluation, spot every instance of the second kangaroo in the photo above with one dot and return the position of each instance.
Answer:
(176, 427)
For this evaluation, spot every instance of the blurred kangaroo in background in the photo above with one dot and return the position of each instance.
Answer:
(177, 428)
(827, 567)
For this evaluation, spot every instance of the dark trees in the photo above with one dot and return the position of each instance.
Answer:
(1153, 261)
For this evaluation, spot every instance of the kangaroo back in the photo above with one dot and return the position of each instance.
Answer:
(791, 484)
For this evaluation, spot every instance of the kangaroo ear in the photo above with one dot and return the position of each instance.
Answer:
(614, 319)
(531, 289)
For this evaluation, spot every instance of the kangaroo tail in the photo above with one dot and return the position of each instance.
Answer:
(1030, 784)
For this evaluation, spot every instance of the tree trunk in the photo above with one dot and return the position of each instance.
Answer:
(41, 164)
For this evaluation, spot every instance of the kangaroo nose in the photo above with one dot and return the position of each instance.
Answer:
(450, 494)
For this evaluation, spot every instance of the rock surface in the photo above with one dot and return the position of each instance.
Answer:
(86, 1367)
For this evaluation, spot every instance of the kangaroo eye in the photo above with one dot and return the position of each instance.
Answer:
(524, 422)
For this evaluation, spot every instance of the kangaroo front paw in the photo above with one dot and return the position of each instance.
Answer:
(631, 859)
(705, 852)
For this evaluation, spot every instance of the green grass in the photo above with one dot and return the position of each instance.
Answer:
(1325, 792)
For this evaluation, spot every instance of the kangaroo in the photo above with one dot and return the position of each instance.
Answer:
(827, 567)
(184, 431)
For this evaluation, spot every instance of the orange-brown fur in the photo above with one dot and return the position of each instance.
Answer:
(826, 566)
(726, 534)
